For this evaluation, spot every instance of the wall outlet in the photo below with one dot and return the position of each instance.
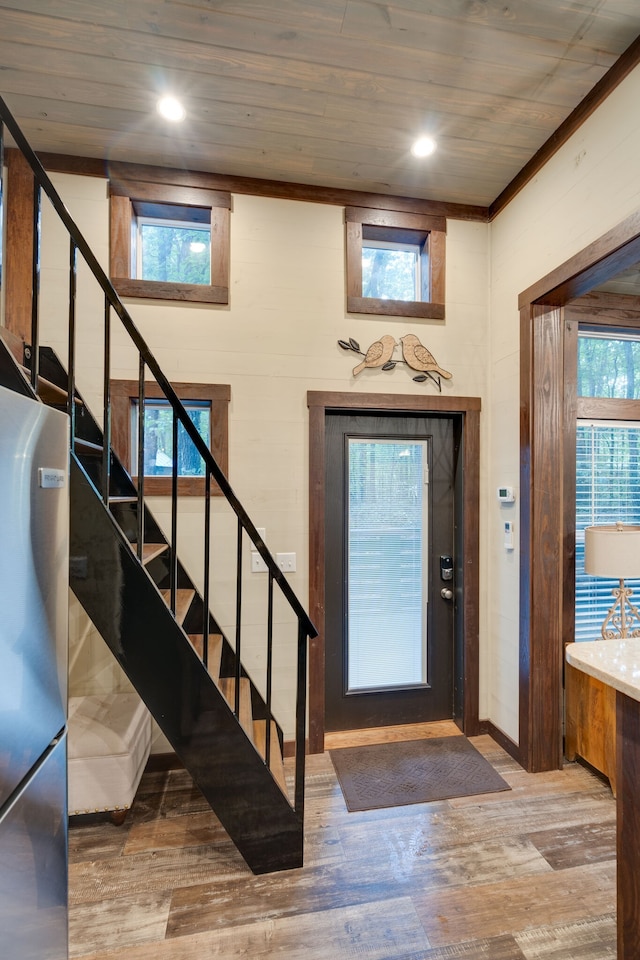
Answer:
(257, 563)
(286, 562)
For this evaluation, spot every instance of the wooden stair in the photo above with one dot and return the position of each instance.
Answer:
(87, 448)
(150, 551)
(276, 763)
(183, 602)
(215, 651)
(228, 687)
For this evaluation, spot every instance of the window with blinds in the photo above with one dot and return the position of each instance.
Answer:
(607, 490)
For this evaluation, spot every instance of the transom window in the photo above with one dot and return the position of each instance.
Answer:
(177, 251)
(395, 263)
(609, 365)
(391, 271)
(169, 242)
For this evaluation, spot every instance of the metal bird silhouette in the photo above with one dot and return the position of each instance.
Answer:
(419, 358)
(378, 353)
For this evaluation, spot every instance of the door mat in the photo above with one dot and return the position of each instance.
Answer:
(413, 771)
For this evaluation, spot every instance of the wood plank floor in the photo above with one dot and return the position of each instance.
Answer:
(528, 874)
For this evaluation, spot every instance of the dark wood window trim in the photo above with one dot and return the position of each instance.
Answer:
(547, 412)
(124, 195)
(125, 392)
(319, 402)
(388, 225)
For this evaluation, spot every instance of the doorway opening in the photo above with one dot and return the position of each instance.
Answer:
(551, 311)
(365, 429)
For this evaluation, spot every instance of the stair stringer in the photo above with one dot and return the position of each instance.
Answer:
(155, 654)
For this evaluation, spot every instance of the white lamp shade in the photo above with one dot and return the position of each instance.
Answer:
(612, 550)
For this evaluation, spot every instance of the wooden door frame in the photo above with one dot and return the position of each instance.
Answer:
(545, 480)
(319, 402)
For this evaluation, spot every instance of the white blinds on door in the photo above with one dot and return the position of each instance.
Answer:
(386, 563)
(607, 490)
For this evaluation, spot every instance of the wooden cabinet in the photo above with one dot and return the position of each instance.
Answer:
(590, 722)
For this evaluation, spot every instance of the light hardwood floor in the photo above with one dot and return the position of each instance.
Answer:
(527, 874)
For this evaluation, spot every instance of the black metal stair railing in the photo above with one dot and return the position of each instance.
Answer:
(147, 364)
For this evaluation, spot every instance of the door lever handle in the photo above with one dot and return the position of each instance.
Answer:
(446, 593)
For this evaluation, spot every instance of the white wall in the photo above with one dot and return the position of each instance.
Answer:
(276, 340)
(587, 188)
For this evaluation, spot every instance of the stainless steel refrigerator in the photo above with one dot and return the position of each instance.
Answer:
(34, 526)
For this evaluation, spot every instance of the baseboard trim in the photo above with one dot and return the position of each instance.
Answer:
(158, 762)
(501, 738)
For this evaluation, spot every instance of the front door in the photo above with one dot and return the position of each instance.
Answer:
(389, 580)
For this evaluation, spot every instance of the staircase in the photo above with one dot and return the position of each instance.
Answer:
(129, 579)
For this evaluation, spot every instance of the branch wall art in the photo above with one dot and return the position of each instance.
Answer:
(414, 354)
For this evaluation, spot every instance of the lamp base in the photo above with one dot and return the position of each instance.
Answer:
(623, 619)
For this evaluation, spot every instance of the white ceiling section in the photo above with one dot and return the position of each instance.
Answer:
(322, 92)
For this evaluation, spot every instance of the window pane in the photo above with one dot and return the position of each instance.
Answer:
(386, 567)
(390, 273)
(607, 490)
(175, 253)
(608, 367)
(158, 438)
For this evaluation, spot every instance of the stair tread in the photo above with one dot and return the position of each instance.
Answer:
(47, 391)
(123, 499)
(87, 447)
(215, 651)
(183, 601)
(276, 763)
(228, 688)
(150, 550)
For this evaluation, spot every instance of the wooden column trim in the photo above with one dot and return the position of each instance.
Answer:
(316, 574)
(319, 402)
(18, 279)
(471, 596)
(628, 826)
(542, 436)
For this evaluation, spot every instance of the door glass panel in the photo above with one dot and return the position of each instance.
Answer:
(386, 564)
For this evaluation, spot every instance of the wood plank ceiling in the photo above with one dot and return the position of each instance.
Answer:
(321, 92)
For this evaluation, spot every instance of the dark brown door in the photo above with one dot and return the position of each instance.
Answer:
(390, 569)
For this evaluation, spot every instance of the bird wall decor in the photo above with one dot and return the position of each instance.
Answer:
(414, 354)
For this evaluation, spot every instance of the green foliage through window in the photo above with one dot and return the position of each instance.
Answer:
(608, 367)
(158, 438)
(174, 252)
(390, 271)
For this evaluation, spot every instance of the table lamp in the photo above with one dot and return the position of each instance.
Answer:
(613, 551)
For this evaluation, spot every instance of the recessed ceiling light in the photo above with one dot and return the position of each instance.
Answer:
(171, 109)
(424, 147)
